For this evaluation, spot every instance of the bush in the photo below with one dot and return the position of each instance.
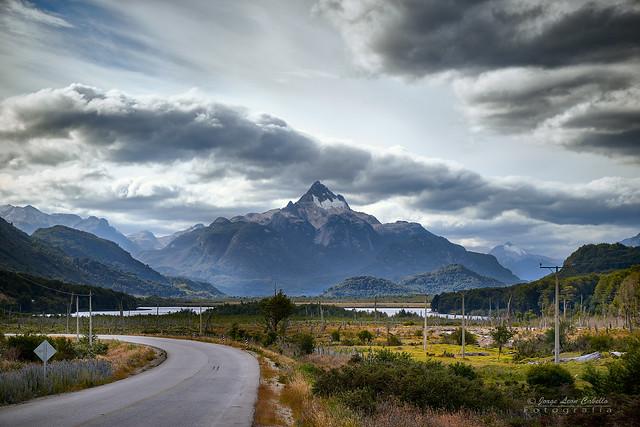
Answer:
(598, 342)
(83, 350)
(463, 370)
(235, 333)
(306, 343)
(565, 329)
(549, 377)
(621, 376)
(387, 375)
(456, 337)
(365, 336)
(335, 336)
(393, 340)
(23, 345)
(535, 346)
(269, 338)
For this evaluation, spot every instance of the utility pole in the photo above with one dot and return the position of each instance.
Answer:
(90, 322)
(200, 320)
(77, 318)
(463, 325)
(69, 312)
(556, 349)
(424, 330)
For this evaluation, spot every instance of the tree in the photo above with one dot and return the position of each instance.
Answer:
(628, 298)
(501, 335)
(276, 309)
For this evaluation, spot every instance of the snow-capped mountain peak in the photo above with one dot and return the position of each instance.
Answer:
(513, 249)
(330, 203)
(320, 196)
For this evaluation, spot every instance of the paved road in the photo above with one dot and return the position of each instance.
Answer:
(199, 384)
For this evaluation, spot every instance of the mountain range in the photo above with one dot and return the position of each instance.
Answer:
(74, 256)
(523, 264)
(450, 278)
(309, 245)
(29, 219)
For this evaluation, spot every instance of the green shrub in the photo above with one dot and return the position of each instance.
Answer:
(565, 329)
(393, 340)
(235, 333)
(463, 370)
(83, 350)
(23, 346)
(306, 343)
(549, 376)
(365, 336)
(335, 336)
(621, 375)
(535, 346)
(360, 399)
(269, 338)
(387, 375)
(456, 337)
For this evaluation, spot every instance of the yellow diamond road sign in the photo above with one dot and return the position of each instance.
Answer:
(45, 351)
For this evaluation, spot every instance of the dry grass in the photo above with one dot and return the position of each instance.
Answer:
(394, 414)
(268, 411)
(128, 359)
(326, 361)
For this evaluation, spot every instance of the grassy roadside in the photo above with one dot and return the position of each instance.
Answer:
(22, 381)
(129, 359)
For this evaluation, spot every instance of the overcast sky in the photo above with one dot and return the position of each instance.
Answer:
(485, 121)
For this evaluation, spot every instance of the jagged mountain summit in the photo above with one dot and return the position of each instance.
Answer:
(29, 219)
(521, 262)
(309, 245)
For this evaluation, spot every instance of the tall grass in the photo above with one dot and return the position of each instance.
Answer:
(29, 382)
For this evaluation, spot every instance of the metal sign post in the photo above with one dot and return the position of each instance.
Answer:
(45, 351)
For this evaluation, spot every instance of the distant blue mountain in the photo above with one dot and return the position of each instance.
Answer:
(29, 219)
(632, 241)
(522, 263)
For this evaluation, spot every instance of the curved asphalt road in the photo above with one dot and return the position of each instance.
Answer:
(200, 384)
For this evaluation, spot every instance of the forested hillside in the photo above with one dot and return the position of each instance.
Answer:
(596, 293)
(27, 293)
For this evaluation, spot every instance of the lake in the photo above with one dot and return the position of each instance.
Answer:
(140, 311)
(390, 311)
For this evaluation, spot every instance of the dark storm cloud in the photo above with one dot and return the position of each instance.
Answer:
(266, 152)
(557, 55)
(418, 37)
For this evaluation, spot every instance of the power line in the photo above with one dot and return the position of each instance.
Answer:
(51, 289)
